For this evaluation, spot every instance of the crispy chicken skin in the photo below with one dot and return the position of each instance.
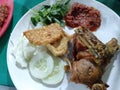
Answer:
(86, 72)
(90, 57)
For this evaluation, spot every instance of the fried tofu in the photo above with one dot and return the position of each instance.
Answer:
(60, 47)
(45, 35)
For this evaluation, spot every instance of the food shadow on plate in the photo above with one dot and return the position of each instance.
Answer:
(74, 86)
(109, 67)
(47, 85)
(31, 26)
(116, 79)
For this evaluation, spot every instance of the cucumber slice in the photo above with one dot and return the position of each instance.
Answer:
(41, 65)
(28, 52)
(57, 74)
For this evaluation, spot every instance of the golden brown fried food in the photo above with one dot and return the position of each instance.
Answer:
(60, 47)
(90, 58)
(45, 35)
(52, 36)
(99, 86)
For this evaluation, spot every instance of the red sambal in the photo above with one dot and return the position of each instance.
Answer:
(3, 14)
(82, 15)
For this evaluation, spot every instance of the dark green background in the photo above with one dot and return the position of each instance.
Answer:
(20, 8)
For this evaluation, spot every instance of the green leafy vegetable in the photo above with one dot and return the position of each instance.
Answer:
(51, 14)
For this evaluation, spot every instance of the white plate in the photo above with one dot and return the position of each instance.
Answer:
(109, 28)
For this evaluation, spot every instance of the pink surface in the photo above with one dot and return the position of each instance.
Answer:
(9, 3)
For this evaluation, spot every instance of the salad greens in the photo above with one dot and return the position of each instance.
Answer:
(51, 13)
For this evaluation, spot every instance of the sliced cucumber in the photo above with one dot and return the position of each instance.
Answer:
(28, 52)
(57, 74)
(41, 65)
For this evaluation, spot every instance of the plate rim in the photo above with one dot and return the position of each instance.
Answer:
(29, 12)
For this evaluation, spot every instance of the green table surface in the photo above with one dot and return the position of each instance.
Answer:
(20, 8)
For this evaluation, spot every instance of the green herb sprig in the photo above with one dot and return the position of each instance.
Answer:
(51, 13)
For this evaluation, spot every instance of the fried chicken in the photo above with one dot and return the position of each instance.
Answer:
(90, 57)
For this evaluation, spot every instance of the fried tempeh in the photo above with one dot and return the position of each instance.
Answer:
(45, 35)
